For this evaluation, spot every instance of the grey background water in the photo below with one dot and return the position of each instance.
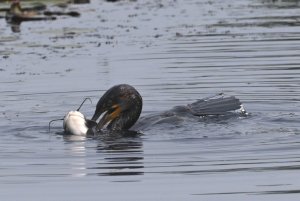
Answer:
(173, 52)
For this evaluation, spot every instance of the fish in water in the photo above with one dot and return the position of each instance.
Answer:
(74, 122)
(121, 106)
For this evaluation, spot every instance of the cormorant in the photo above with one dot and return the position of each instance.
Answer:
(121, 107)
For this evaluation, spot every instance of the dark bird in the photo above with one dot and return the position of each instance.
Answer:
(121, 107)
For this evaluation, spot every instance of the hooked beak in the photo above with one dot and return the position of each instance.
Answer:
(110, 115)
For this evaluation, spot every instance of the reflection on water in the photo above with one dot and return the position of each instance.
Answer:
(77, 149)
(123, 153)
(173, 52)
(15, 27)
(118, 153)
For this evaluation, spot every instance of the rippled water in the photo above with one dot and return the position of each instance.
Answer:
(173, 52)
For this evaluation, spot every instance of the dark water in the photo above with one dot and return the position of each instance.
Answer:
(173, 52)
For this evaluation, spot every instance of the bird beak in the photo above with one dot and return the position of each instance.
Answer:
(111, 114)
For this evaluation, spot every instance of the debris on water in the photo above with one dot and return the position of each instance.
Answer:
(242, 110)
(21, 73)
(33, 7)
(81, 1)
(71, 13)
(112, 0)
(16, 14)
(179, 34)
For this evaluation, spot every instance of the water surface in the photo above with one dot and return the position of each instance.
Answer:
(173, 52)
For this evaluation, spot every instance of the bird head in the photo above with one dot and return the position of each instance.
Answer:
(121, 107)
